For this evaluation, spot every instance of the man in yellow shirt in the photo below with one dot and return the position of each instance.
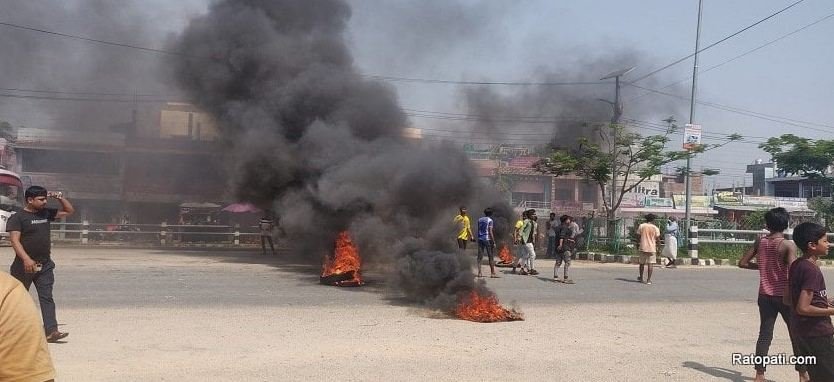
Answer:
(519, 247)
(24, 356)
(464, 229)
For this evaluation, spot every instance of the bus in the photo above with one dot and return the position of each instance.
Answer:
(11, 197)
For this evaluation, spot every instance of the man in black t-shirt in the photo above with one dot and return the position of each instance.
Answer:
(31, 239)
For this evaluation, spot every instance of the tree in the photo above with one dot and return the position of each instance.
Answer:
(801, 156)
(754, 220)
(809, 158)
(824, 209)
(631, 156)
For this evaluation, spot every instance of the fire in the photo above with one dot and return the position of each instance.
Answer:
(343, 268)
(484, 308)
(504, 255)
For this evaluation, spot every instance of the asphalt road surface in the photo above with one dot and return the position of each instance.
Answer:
(150, 315)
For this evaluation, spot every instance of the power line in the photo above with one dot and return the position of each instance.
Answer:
(88, 39)
(79, 99)
(506, 83)
(370, 76)
(740, 31)
(423, 114)
(771, 42)
(749, 113)
(80, 92)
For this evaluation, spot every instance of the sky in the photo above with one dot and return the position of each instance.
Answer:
(522, 40)
(789, 78)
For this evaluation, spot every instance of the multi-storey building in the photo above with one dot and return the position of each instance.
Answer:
(144, 172)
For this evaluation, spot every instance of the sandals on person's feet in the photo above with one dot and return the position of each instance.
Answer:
(534, 272)
(494, 277)
(56, 336)
(569, 281)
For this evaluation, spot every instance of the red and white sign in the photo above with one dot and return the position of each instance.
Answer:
(691, 136)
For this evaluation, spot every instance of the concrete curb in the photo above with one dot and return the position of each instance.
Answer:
(628, 259)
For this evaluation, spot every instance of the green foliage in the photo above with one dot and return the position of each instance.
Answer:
(632, 157)
(824, 207)
(722, 251)
(754, 220)
(802, 156)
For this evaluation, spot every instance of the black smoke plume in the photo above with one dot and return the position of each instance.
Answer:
(322, 144)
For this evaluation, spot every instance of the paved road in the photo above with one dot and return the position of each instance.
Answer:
(103, 277)
(225, 315)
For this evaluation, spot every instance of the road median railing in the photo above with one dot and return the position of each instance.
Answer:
(162, 234)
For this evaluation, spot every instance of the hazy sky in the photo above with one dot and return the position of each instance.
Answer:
(790, 78)
(501, 40)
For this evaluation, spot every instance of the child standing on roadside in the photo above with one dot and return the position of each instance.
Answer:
(811, 308)
(774, 255)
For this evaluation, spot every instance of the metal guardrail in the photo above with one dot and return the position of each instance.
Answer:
(87, 233)
(714, 238)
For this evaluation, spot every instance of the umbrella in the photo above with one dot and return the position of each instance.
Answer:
(241, 208)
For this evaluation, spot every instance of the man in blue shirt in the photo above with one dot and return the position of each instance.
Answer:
(486, 242)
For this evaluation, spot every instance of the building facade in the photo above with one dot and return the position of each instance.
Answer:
(142, 173)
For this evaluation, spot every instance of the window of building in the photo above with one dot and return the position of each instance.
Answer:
(588, 192)
(521, 197)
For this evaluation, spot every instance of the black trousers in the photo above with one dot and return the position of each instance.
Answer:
(822, 348)
(769, 308)
(264, 239)
(44, 281)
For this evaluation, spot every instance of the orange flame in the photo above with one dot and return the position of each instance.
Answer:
(345, 260)
(484, 308)
(504, 255)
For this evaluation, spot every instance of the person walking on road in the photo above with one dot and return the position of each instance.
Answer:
(486, 242)
(649, 234)
(670, 247)
(564, 249)
(529, 235)
(30, 235)
(519, 247)
(464, 229)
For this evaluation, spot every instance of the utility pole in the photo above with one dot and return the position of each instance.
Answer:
(688, 217)
(613, 133)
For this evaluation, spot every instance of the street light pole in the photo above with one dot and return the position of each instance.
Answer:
(688, 217)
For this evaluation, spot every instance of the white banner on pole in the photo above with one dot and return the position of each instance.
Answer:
(691, 136)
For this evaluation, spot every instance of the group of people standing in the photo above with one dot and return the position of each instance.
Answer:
(561, 235)
(794, 287)
(485, 237)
